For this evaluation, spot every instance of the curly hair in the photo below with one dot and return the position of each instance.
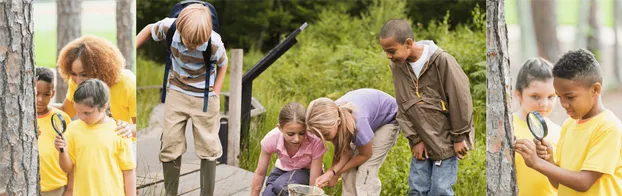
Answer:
(44, 74)
(100, 59)
(578, 65)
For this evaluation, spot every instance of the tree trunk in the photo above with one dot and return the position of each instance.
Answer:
(617, 23)
(583, 28)
(593, 37)
(500, 168)
(68, 28)
(125, 31)
(545, 25)
(19, 160)
(527, 35)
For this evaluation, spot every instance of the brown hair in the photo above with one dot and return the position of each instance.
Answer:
(323, 113)
(100, 59)
(93, 93)
(292, 112)
(194, 25)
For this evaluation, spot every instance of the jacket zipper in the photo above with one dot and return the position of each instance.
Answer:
(416, 79)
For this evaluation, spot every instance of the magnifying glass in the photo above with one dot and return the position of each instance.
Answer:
(59, 124)
(537, 125)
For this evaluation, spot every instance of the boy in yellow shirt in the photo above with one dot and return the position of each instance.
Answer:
(102, 161)
(588, 160)
(53, 178)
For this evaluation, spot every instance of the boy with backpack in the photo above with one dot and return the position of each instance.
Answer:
(194, 50)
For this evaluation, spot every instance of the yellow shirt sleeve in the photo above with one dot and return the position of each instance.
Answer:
(132, 95)
(125, 157)
(602, 147)
(71, 89)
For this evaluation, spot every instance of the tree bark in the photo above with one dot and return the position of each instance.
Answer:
(617, 23)
(545, 25)
(500, 168)
(125, 31)
(527, 35)
(19, 157)
(593, 37)
(583, 28)
(68, 28)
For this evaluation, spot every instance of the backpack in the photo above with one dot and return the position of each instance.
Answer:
(206, 54)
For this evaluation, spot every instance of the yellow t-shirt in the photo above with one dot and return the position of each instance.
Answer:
(530, 181)
(595, 145)
(122, 96)
(52, 176)
(99, 157)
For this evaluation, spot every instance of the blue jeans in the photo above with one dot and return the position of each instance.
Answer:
(427, 178)
(278, 180)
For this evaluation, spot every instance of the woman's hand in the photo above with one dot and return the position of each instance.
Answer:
(124, 129)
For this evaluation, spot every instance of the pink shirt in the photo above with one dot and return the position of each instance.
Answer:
(312, 148)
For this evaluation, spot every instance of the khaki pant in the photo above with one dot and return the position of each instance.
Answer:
(363, 180)
(55, 192)
(178, 109)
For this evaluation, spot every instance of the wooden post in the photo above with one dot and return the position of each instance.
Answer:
(235, 107)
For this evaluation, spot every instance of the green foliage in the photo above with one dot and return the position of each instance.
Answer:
(339, 53)
(259, 25)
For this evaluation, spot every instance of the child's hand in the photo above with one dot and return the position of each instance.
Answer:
(527, 149)
(38, 131)
(324, 179)
(60, 143)
(333, 181)
(124, 129)
(419, 150)
(544, 150)
(461, 149)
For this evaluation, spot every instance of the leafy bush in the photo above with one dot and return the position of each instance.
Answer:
(340, 53)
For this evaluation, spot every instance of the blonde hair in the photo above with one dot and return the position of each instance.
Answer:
(292, 112)
(194, 25)
(323, 113)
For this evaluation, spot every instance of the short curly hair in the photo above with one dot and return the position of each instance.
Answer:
(44, 74)
(100, 59)
(578, 65)
(398, 28)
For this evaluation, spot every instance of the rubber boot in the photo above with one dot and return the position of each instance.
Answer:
(171, 176)
(208, 177)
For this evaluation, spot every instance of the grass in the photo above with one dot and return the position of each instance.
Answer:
(45, 45)
(98, 18)
(567, 12)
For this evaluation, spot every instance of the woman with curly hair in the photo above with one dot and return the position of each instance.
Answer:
(94, 57)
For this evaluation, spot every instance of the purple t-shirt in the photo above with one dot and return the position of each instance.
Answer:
(373, 109)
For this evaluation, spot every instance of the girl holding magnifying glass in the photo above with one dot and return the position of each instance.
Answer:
(535, 92)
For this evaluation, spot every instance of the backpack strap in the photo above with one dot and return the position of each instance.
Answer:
(207, 54)
(169, 59)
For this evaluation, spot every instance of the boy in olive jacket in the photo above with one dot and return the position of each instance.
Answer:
(435, 109)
